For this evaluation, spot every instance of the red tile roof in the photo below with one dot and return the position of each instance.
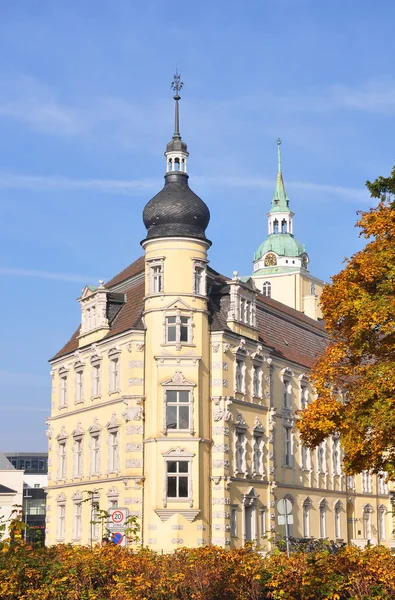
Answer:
(289, 333)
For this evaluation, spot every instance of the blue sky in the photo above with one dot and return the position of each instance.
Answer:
(86, 111)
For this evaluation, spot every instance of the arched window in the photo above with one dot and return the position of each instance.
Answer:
(306, 517)
(283, 226)
(323, 507)
(275, 226)
(267, 289)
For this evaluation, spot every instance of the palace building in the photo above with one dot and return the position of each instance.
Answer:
(176, 396)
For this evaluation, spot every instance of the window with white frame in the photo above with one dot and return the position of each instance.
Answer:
(323, 508)
(113, 450)
(77, 519)
(113, 497)
(303, 396)
(381, 484)
(350, 482)
(287, 393)
(114, 374)
(367, 521)
(78, 456)
(262, 515)
(63, 390)
(306, 517)
(79, 385)
(156, 277)
(96, 515)
(257, 453)
(382, 511)
(95, 453)
(240, 443)
(61, 521)
(288, 454)
(96, 379)
(321, 458)
(267, 289)
(178, 474)
(338, 510)
(178, 329)
(239, 376)
(233, 521)
(336, 455)
(366, 482)
(305, 457)
(178, 409)
(62, 459)
(257, 380)
(199, 278)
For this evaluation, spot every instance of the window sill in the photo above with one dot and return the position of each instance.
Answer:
(96, 397)
(178, 500)
(111, 392)
(62, 406)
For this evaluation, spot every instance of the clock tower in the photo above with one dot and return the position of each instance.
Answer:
(281, 263)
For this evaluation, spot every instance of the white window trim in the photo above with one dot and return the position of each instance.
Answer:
(77, 502)
(321, 452)
(178, 454)
(113, 496)
(336, 459)
(62, 439)
(179, 383)
(257, 374)
(95, 431)
(337, 510)
(233, 521)
(240, 429)
(152, 263)
(305, 453)
(96, 363)
(114, 354)
(79, 383)
(78, 437)
(381, 522)
(367, 524)
(306, 507)
(199, 264)
(257, 438)
(63, 388)
(61, 508)
(178, 314)
(113, 429)
(288, 444)
(323, 507)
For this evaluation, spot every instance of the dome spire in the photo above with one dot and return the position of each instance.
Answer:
(177, 86)
(279, 154)
(176, 150)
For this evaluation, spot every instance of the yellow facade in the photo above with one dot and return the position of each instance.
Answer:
(177, 398)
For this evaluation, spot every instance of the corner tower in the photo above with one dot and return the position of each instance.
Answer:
(281, 262)
(177, 384)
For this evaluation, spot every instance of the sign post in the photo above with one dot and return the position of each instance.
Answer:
(117, 524)
(284, 508)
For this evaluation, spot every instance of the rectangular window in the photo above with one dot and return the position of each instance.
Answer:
(286, 394)
(239, 376)
(114, 451)
(321, 458)
(79, 386)
(62, 460)
(382, 513)
(95, 446)
(322, 522)
(263, 522)
(178, 329)
(198, 281)
(78, 458)
(96, 372)
(63, 390)
(77, 520)
(157, 279)
(338, 522)
(257, 455)
(240, 440)
(306, 520)
(288, 446)
(303, 397)
(177, 479)
(61, 520)
(336, 456)
(177, 409)
(233, 522)
(114, 375)
(306, 458)
(367, 523)
(256, 381)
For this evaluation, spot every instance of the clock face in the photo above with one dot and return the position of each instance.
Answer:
(270, 260)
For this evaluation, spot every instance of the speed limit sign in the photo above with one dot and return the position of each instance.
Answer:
(118, 517)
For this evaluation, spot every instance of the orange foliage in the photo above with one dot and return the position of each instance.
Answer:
(111, 573)
(355, 376)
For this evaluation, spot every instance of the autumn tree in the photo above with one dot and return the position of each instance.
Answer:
(355, 376)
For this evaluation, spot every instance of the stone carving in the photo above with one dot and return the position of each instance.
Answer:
(134, 463)
(201, 527)
(240, 422)
(220, 414)
(200, 541)
(220, 430)
(177, 527)
(221, 515)
(133, 501)
(221, 448)
(178, 378)
(152, 540)
(177, 541)
(258, 425)
(135, 381)
(134, 447)
(152, 527)
(221, 527)
(134, 430)
(136, 364)
(219, 382)
(140, 346)
(221, 464)
(221, 501)
(216, 348)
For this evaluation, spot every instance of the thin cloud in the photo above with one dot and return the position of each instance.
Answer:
(68, 277)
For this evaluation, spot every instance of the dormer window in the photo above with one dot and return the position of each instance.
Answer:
(267, 289)
(93, 302)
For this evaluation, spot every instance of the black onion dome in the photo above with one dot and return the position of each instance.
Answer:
(176, 210)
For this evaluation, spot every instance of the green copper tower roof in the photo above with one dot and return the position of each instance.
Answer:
(284, 244)
(280, 201)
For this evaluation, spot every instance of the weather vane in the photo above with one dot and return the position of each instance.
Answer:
(177, 84)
